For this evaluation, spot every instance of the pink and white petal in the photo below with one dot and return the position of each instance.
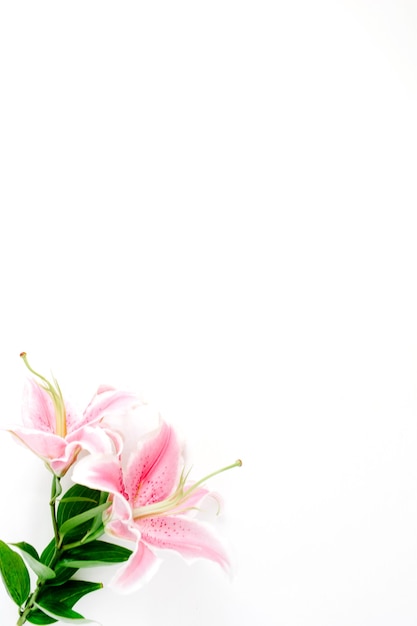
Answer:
(37, 408)
(137, 571)
(153, 471)
(73, 418)
(61, 465)
(116, 438)
(46, 445)
(107, 400)
(123, 529)
(197, 496)
(96, 440)
(134, 425)
(193, 500)
(121, 510)
(190, 538)
(99, 472)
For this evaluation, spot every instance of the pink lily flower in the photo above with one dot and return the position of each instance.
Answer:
(152, 506)
(56, 434)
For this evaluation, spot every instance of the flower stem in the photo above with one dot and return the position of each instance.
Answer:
(30, 604)
(56, 490)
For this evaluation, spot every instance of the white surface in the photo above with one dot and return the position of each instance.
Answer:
(215, 204)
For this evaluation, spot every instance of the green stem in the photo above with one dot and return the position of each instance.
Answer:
(30, 604)
(56, 490)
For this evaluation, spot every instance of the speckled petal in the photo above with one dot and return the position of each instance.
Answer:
(153, 471)
(190, 538)
(37, 408)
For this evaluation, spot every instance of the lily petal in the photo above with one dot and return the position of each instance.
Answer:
(138, 570)
(106, 401)
(192, 539)
(99, 472)
(37, 408)
(44, 444)
(96, 440)
(153, 471)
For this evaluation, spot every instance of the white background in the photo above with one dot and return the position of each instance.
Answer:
(214, 203)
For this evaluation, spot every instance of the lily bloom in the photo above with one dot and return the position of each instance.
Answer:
(152, 506)
(56, 434)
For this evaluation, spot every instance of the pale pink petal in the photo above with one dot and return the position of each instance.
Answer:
(54, 450)
(60, 465)
(153, 471)
(37, 408)
(99, 472)
(44, 444)
(137, 571)
(192, 501)
(120, 510)
(190, 538)
(123, 530)
(106, 401)
(72, 419)
(133, 425)
(96, 440)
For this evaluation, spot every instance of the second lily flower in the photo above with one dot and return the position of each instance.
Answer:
(153, 506)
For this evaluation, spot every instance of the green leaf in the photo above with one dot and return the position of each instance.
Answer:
(31, 556)
(79, 520)
(48, 553)
(63, 613)
(66, 595)
(15, 574)
(26, 547)
(61, 574)
(76, 501)
(95, 553)
(37, 616)
(66, 499)
(69, 593)
(56, 487)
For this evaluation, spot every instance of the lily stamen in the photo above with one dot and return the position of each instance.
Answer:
(179, 497)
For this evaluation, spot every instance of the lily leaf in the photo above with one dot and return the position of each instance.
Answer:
(31, 556)
(23, 545)
(48, 552)
(67, 499)
(78, 520)
(95, 553)
(79, 499)
(65, 614)
(66, 595)
(62, 574)
(69, 593)
(37, 616)
(14, 573)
